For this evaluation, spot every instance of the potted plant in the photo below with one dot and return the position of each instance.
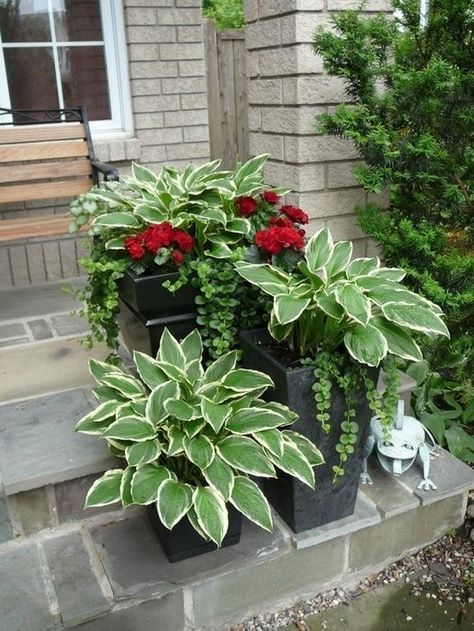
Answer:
(191, 441)
(334, 321)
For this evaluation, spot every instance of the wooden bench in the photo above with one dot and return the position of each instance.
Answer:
(45, 155)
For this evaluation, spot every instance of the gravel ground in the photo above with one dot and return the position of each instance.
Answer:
(443, 571)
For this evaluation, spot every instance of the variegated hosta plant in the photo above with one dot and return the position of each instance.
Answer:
(191, 438)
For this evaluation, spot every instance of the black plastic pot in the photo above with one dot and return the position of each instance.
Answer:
(301, 507)
(183, 542)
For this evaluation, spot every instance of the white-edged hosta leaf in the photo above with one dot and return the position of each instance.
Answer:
(319, 249)
(245, 380)
(176, 438)
(142, 453)
(239, 225)
(214, 413)
(124, 410)
(278, 331)
(117, 220)
(99, 369)
(361, 267)
(340, 257)
(250, 501)
(193, 520)
(221, 367)
(105, 490)
(271, 439)
(192, 346)
(193, 427)
(220, 476)
(246, 455)
(307, 448)
(130, 428)
(139, 406)
(149, 370)
(366, 344)
(194, 370)
(250, 420)
(115, 244)
(84, 426)
(389, 273)
(369, 282)
(170, 351)
(399, 341)
(173, 502)
(384, 294)
(174, 373)
(150, 213)
(211, 512)
(155, 408)
(199, 451)
(294, 463)
(104, 393)
(415, 317)
(288, 308)
(328, 303)
(354, 302)
(146, 482)
(103, 412)
(179, 409)
(126, 385)
(126, 487)
(268, 278)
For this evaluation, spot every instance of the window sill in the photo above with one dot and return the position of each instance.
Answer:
(117, 148)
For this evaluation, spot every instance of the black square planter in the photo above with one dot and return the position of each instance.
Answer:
(301, 507)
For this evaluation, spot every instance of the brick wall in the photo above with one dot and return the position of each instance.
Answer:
(287, 89)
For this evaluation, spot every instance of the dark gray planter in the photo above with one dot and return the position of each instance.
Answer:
(301, 507)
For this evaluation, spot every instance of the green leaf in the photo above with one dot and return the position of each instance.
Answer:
(211, 512)
(244, 454)
(193, 520)
(176, 438)
(418, 371)
(103, 412)
(179, 409)
(366, 344)
(170, 351)
(130, 428)
(115, 244)
(288, 309)
(151, 214)
(244, 380)
(307, 448)
(250, 420)
(200, 451)
(268, 278)
(155, 408)
(328, 303)
(459, 441)
(192, 428)
(149, 370)
(220, 476)
(105, 490)
(238, 225)
(319, 249)
(389, 273)
(252, 167)
(415, 317)
(340, 258)
(294, 463)
(271, 439)
(125, 487)
(361, 267)
(126, 385)
(221, 367)
(219, 251)
(249, 500)
(399, 341)
(84, 426)
(143, 174)
(436, 426)
(143, 453)
(392, 293)
(173, 502)
(146, 481)
(117, 220)
(99, 369)
(214, 414)
(354, 302)
(192, 346)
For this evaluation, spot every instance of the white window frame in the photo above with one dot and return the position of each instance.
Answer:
(113, 33)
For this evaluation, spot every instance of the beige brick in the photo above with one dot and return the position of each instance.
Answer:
(196, 134)
(153, 153)
(263, 34)
(359, 248)
(268, 8)
(255, 119)
(143, 52)
(52, 260)
(341, 174)
(317, 90)
(193, 101)
(140, 16)
(197, 117)
(180, 16)
(342, 228)
(263, 91)
(155, 103)
(182, 85)
(266, 143)
(181, 51)
(143, 87)
(101, 150)
(34, 253)
(117, 150)
(166, 135)
(322, 204)
(292, 60)
(318, 149)
(153, 69)
(187, 3)
(251, 10)
(133, 148)
(191, 68)
(148, 121)
(300, 27)
(190, 33)
(290, 120)
(151, 34)
(253, 63)
(369, 5)
(187, 151)
(302, 178)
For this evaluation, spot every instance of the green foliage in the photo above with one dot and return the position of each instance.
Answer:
(225, 13)
(190, 439)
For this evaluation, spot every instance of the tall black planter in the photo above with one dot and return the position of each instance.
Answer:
(301, 507)
(183, 542)
(146, 308)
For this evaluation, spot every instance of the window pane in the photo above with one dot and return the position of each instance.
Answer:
(30, 75)
(84, 79)
(77, 20)
(24, 21)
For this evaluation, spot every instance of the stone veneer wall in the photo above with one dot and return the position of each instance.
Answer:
(287, 88)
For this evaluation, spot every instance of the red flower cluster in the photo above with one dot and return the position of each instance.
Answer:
(246, 206)
(159, 236)
(280, 237)
(271, 197)
(295, 214)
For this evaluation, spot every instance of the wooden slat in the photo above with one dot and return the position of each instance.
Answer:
(45, 226)
(45, 170)
(44, 190)
(46, 131)
(43, 150)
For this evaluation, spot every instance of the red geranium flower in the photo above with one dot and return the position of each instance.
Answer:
(183, 240)
(134, 247)
(246, 206)
(277, 238)
(281, 222)
(295, 214)
(271, 197)
(177, 257)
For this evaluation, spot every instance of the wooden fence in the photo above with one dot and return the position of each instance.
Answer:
(226, 94)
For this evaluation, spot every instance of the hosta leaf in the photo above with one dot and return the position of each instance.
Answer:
(288, 309)
(104, 393)
(271, 439)
(251, 168)
(399, 341)
(124, 410)
(126, 385)
(150, 213)
(146, 482)
(244, 454)
(220, 476)
(279, 331)
(214, 414)
(340, 257)
(200, 451)
(174, 373)
(366, 344)
(244, 380)
(211, 512)
(294, 463)
(221, 367)
(193, 520)
(130, 428)
(125, 487)
(149, 370)
(179, 409)
(361, 267)
(155, 408)
(307, 448)
(194, 370)
(193, 427)
(173, 502)
(84, 426)
(388, 273)
(249, 500)
(388, 293)
(142, 453)
(117, 220)
(192, 346)
(319, 249)
(115, 244)
(238, 225)
(103, 412)
(328, 303)
(416, 317)
(105, 490)
(170, 351)
(176, 438)
(250, 420)
(354, 302)
(268, 278)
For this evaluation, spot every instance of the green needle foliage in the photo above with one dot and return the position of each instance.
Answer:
(225, 13)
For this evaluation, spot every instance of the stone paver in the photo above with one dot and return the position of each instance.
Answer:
(27, 302)
(33, 511)
(40, 329)
(14, 329)
(68, 324)
(70, 498)
(387, 493)
(16, 341)
(78, 591)
(23, 596)
(5, 525)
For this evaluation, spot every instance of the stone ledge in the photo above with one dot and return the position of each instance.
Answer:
(117, 149)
